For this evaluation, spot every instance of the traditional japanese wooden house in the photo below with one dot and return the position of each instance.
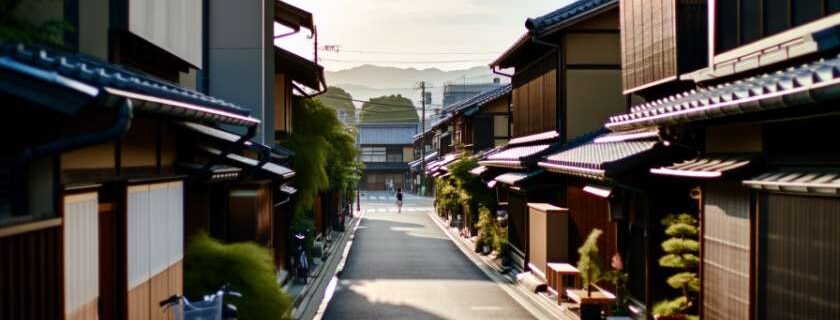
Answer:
(482, 122)
(564, 58)
(766, 187)
(95, 186)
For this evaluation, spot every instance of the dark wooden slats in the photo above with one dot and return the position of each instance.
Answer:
(30, 287)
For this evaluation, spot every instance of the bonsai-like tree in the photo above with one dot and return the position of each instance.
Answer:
(681, 251)
(590, 264)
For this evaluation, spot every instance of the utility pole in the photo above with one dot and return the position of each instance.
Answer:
(422, 135)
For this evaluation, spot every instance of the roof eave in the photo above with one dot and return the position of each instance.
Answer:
(293, 17)
(562, 25)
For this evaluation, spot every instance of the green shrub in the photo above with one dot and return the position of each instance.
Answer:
(247, 267)
(325, 158)
(590, 264)
(681, 253)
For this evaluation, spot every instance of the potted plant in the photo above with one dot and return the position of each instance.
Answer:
(681, 253)
(619, 279)
(591, 271)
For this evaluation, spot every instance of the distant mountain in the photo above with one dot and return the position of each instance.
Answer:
(369, 81)
(392, 77)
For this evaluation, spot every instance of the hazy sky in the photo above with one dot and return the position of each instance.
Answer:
(446, 34)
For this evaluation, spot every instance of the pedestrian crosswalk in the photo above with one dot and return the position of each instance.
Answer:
(381, 198)
(395, 209)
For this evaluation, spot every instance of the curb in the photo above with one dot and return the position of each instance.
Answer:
(314, 291)
(538, 305)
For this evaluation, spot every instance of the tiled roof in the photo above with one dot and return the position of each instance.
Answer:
(477, 171)
(517, 153)
(387, 134)
(571, 11)
(803, 85)
(99, 78)
(480, 99)
(288, 189)
(596, 159)
(799, 180)
(431, 156)
(517, 178)
(515, 157)
(548, 136)
(244, 161)
(708, 166)
(447, 159)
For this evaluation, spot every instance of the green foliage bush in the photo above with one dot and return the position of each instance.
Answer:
(473, 191)
(490, 234)
(590, 264)
(681, 253)
(338, 99)
(325, 156)
(247, 267)
(448, 197)
(16, 29)
(389, 109)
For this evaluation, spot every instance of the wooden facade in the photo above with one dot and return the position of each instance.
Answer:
(32, 270)
(534, 97)
(652, 35)
(552, 87)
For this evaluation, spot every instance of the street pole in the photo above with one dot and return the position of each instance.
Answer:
(422, 135)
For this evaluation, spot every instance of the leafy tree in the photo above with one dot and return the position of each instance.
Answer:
(325, 155)
(14, 28)
(389, 109)
(681, 251)
(590, 264)
(338, 99)
(247, 267)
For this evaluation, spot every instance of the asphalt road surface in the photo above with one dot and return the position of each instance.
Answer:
(402, 266)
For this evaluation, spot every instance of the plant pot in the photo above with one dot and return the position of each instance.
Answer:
(590, 311)
(671, 317)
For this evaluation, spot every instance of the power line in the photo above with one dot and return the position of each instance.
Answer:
(337, 49)
(414, 52)
(403, 61)
(375, 103)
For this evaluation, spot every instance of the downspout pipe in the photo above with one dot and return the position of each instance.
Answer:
(121, 125)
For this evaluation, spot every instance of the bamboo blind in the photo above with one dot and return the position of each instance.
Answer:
(800, 261)
(726, 243)
(648, 40)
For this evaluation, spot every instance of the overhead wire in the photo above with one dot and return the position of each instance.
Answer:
(402, 61)
(411, 52)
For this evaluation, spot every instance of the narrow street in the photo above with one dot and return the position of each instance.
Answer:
(402, 266)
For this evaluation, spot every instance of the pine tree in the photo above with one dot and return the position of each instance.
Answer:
(681, 253)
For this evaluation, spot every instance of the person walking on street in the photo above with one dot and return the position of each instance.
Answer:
(399, 200)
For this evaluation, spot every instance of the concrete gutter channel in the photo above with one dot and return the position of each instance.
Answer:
(311, 298)
(539, 305)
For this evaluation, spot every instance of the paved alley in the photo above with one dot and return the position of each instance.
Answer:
(401, 265)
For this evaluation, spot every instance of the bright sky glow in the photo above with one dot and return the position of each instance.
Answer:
(446, 34)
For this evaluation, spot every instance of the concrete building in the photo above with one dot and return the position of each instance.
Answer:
(455, 92)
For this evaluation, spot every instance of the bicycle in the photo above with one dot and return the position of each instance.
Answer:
(300, 260)
(210, 307)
